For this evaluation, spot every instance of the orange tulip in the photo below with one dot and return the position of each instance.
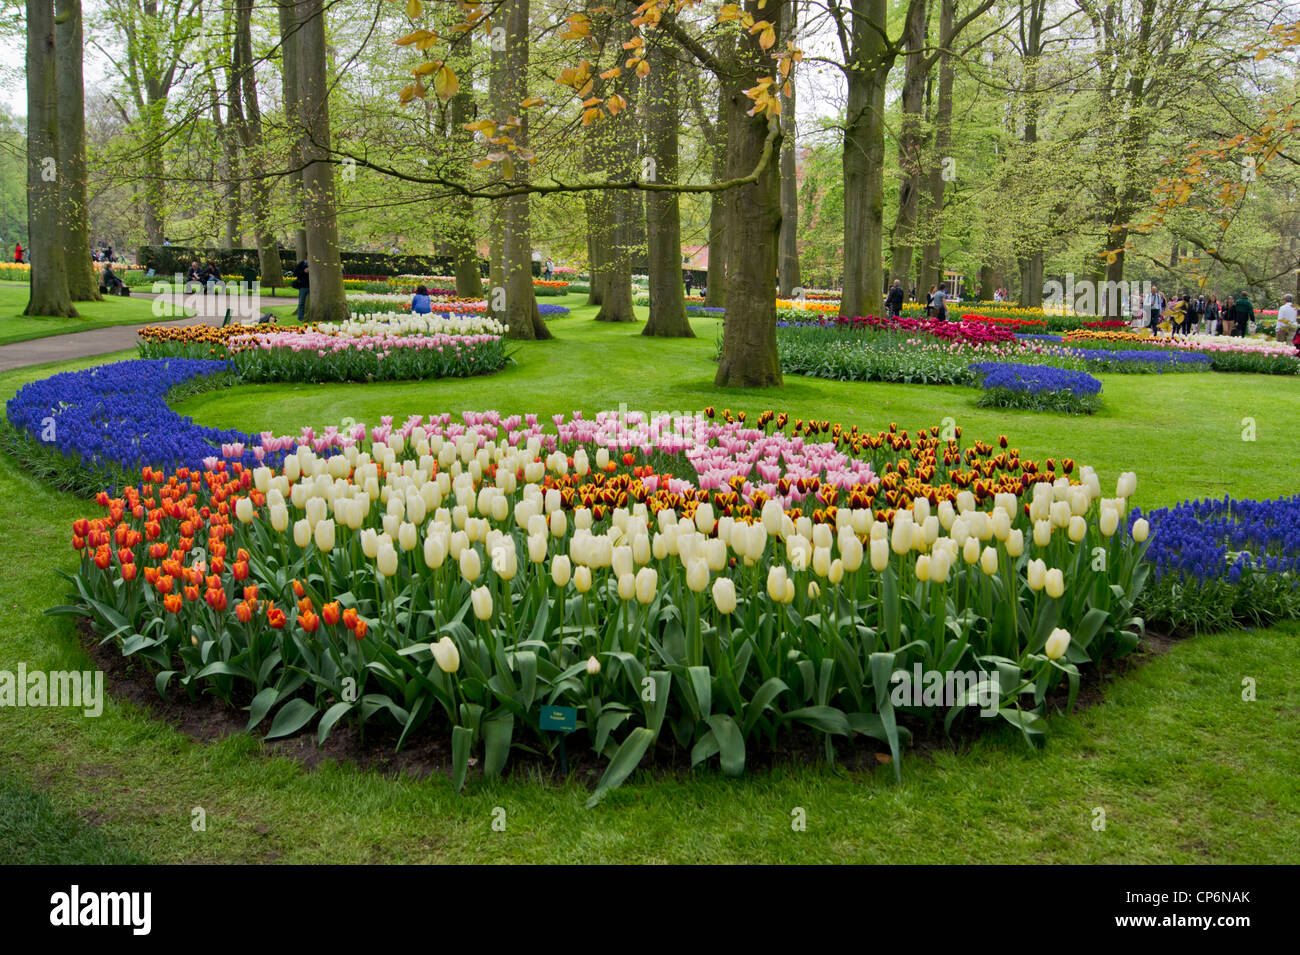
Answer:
(360, 629)
(173, 603)
(275, 616)
(250, 592)
(330, 612)
(350, 618)
(298, 588)
(244, 610)
(128, 572)
(308, 621)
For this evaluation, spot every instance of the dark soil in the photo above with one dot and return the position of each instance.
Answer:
(428, 753)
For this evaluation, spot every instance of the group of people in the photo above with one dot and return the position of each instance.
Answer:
(936, 301)
(202, 278)
(1233, 315)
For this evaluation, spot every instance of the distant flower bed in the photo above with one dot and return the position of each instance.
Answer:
(385, 347)
(337, 356)
(1040, 387)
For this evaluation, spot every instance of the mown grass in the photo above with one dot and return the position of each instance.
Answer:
(1186, 435)
(1183, 768)
(113, 310)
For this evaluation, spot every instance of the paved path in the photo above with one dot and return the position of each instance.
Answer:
(101, 341)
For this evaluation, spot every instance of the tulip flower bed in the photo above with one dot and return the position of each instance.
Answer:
(391, 347)
(382, 304)
(1217, 563)
(322, 356)
(838, 352)
(453, 578)
(1040, 387)
(398, 324)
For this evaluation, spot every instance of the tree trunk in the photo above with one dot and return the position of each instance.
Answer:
(932, 258)
(910, 141)
(788, 254)
(618, 140)
(596, 220)
(863, 163)
(45, 233)
(664, 228)
(522, 319)
(749, 356)
(461, 237)
(327, 301)
(715, 288)
(83, 284)
(155, 188)
(250, 130)
(290, 84)
(986, 283)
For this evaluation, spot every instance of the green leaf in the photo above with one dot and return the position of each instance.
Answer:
(731, 744)
(292, 717)
(761, 700)
(332, 716)
(460, 743)
(497, 733)
(260, 706)
(825, 718)
(624, 762)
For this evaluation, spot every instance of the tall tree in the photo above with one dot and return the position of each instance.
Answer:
(911, 136)
(931, 264)
(83, 285)
(618, 141)
(250, 134)
(788, 256)
(663, 214)
(46, 230)
(522, 318)
(157, 36)
(469, 281)
(327, 301)
(749, 358)
(290, 86)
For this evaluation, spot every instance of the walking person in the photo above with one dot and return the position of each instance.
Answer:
(1243, 313)
(18, 253)
(1155, 305)
(940, 300)
(894, 300)
(1286, 320)
(302, 282)
(1212, 315)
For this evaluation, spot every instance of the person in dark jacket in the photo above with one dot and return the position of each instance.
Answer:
(1212, 315)
(302, 282)
(1243, 313)
(894, 300)
(109, 279)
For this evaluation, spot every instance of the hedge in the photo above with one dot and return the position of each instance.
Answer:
(169, 259)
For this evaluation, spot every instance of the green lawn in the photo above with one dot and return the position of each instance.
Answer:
(1182, 433)
(1184, 770)
(113, 310)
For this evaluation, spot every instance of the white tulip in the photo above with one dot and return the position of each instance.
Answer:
(1057, 644)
